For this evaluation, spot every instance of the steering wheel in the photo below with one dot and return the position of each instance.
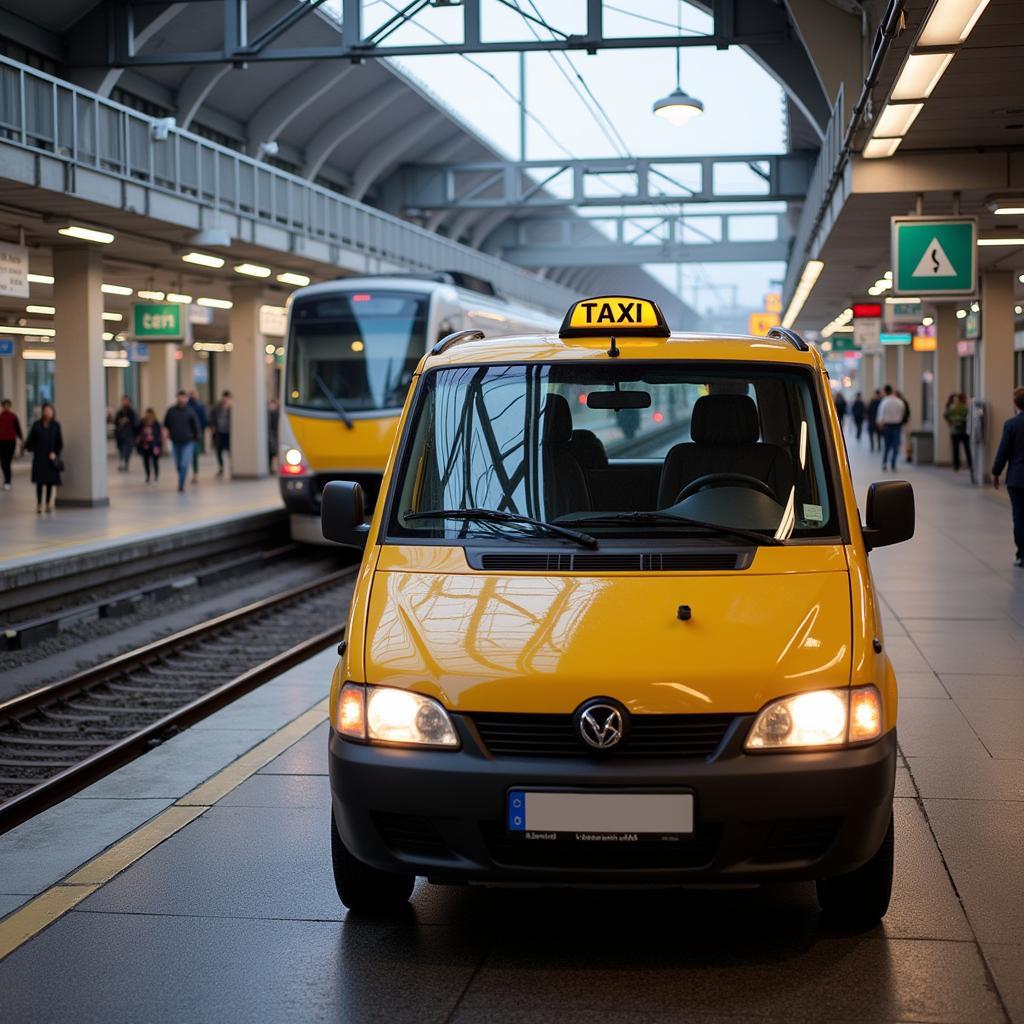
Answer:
(724, 480)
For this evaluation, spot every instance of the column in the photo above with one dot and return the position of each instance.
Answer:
(159, 377)
(996, 355)
(248, 383)
(7, 379)
(947, 378)
(890, 366)
(78, 384)
(914, 365)
(18, 387)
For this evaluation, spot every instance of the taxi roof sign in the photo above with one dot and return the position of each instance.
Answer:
(618, 315)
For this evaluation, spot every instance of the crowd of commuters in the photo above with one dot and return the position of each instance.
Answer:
(182, 431)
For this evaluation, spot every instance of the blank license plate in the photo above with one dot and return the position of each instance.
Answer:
(599, 817)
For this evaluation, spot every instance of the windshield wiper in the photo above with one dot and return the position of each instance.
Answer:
(667, 517)
(493, 515)
(335, 401)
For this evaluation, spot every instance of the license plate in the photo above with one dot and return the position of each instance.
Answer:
(599, 817)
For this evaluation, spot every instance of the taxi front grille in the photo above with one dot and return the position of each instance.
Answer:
(686, 737)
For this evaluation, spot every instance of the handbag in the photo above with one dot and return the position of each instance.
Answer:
(58, 464)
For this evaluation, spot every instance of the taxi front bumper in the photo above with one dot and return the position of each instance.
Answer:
(757, 817)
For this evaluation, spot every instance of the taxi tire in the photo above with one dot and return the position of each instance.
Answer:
(860, 898)
(365, 889)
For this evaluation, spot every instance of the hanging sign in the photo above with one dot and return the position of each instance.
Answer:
(934, 256)
(157, 321)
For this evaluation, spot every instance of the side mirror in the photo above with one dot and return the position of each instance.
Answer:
(342, 514)
(889, 514)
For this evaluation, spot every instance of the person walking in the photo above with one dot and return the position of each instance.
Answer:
(182, 426)
(1010, 456)
(221, 423)
(199, 408)
(874, 435)
(891, 412)
(149, 445)
(857, 411)
(10, 435)
(956, 416)
(840, 402)
(273, 430)
(45, 442)
(126, 428)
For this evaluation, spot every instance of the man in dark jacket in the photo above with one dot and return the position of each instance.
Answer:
(1010, 456)
(126, 428)
(182, 426)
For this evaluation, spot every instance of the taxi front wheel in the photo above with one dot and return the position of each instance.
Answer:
(860, 898)
(365, 889)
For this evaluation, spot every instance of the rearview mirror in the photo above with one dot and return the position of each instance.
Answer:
(889, 516)
(342, 514)
(618, 400)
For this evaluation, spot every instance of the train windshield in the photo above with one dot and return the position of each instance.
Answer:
(354, 351)
(617, 450)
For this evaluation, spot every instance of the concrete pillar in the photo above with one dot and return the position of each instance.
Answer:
(947, 378)
(78, 374)
(248, 383)
(914, 366)
(868, 376)
(996, 349)
(890, 367)
(160, 377)
(18, 387)
(7, 379)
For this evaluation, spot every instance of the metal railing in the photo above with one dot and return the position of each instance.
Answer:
(47, 115)
(814, 212)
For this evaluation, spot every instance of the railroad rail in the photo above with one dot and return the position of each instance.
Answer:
(58, 739)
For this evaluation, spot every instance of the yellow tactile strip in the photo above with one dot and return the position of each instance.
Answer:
(56, 901)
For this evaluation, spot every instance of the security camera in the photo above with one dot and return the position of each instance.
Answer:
(160, 128)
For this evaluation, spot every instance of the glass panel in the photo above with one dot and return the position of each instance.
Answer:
(360, 349)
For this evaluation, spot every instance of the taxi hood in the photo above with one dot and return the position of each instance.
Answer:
(544, 643)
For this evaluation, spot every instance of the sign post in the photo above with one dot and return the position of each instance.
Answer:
(157, 321)
(934, 257)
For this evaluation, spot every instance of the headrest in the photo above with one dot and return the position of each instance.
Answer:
(724, 419)
(557, 420)
(587, 449)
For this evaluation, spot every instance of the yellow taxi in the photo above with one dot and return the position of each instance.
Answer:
(615, 624)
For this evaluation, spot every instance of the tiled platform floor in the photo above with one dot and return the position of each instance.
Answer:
(234, 918)
(135, 510)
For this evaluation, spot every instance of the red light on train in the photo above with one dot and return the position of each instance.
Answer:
(658, 417)
(362, 297)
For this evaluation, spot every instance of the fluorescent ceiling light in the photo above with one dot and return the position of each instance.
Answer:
(919, 75)
(1001, 241)
(45, 310)
(111, 364)
(116, 317)
(152, 296)
(115, 289)
(32, 332)
(1004, 211)
(214, 303)
(950, 22)
(896, 119)
(811, 272)
(299, 280)
(41, 278)
(182, 300)
(876, 149)
(203, 259)
(899, 300)
(108, 335)
(38, 353)
(87, 234)
(252, 270)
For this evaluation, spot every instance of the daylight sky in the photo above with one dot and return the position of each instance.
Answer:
(743, 104)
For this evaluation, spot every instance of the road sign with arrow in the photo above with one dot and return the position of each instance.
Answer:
(934, 256)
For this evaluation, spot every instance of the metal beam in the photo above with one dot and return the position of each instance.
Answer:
(763, 25)
(607, 181)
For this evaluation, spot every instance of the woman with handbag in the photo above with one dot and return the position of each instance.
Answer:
(148, 443)
(45, 442)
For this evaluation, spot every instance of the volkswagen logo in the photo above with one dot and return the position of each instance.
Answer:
(601, 724)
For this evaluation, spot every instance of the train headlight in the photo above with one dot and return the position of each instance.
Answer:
(292, 463)
(293, 457)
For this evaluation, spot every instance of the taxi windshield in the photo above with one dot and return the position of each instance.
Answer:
(354, 350)
(618, 450)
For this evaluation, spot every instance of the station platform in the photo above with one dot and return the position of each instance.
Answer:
(195, 884)
(140, 520)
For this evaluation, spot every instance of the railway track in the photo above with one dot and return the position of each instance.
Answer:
(62, 737)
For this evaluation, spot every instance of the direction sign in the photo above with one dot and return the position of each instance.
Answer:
(153, 321)
(759, 324)
(14, 270)
(867, 333)
(6, 347)
(934, 256)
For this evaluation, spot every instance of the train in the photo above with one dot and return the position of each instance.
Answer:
(351, 349)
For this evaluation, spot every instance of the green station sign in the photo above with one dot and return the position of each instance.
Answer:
(157, 320)
(934, 256)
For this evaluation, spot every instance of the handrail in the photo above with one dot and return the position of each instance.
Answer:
(788, 334)
(453, 339)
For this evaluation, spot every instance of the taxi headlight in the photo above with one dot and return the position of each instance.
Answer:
(384, 714)
(818, 718)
